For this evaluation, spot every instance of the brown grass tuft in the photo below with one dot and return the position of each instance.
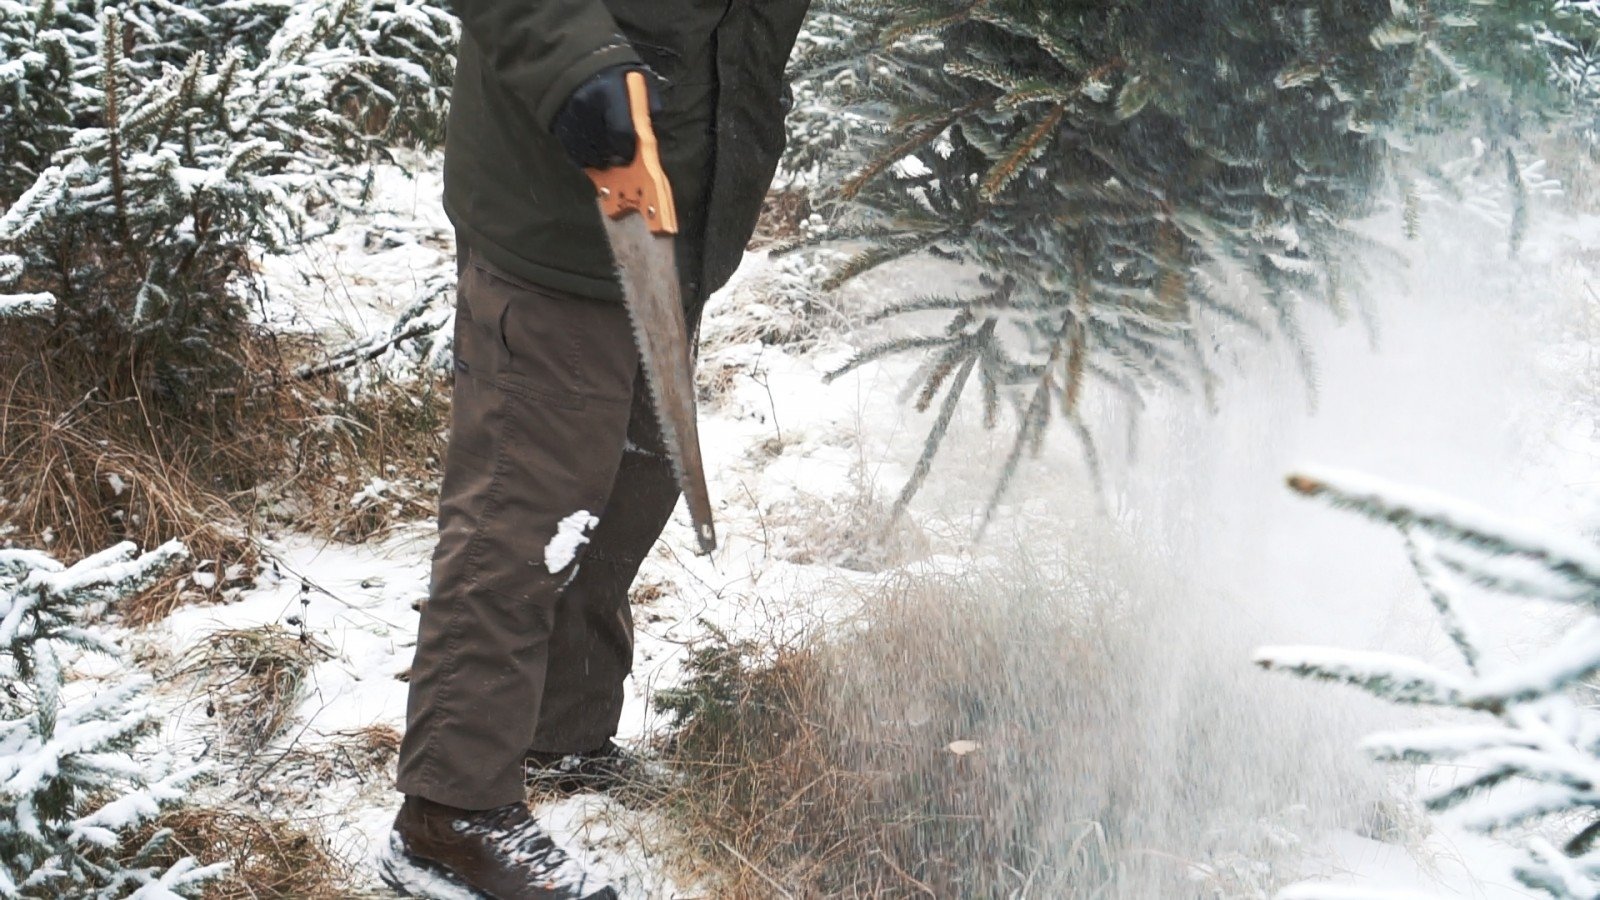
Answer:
(375, 462)
(116, 439)
(254, 679)
(100, 444)
(782, 217)
(375, 745)
(268, 859)
(982, 737)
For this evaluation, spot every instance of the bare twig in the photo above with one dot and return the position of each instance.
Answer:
(756, 869)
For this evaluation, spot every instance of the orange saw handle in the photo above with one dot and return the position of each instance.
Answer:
(640, 186)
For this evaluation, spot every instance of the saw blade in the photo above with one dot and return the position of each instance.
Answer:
(647, 266)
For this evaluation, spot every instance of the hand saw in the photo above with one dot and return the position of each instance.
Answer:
(636, 206)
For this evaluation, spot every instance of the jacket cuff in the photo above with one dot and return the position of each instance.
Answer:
(618, 53)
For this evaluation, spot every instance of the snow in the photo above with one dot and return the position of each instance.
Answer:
(417, 881)
(111, 569)
(571, 535)
(17, 306)
(1448, 863)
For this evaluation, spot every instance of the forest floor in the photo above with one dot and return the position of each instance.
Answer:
(802, 469)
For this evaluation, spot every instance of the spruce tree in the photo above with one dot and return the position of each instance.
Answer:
(1142, 184)
(150, 154)
(71, 787)
(151, 149)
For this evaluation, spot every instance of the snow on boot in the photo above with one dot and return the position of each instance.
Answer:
(444, 853)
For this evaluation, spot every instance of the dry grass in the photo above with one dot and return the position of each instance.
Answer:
(372, 748)
(102, 447)
(648, 591)
(856, 530)
(374, 463)
(185, 432)
(782, 216)
(254, 679)
(107, 441)
(104, 444)
(713, 384)
(268, 859)
(998, 737)
(365, 755)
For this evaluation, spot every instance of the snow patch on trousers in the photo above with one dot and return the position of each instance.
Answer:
(571, 535)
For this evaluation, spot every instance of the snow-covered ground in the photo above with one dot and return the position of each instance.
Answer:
(1481, 386)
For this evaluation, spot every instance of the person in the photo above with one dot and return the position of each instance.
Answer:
(521, 657)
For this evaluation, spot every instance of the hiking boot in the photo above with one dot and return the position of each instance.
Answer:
(445, 853)
(605, 771)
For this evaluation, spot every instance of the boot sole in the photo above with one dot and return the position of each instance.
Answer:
(413, 876)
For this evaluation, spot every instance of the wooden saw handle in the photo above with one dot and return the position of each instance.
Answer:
(641, 186)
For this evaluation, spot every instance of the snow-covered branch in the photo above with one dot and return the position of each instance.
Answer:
(71, 786)
(1538, 761)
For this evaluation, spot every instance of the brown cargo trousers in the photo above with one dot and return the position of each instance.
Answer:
(549, 418)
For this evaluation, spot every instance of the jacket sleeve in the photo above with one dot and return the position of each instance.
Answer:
(543, 49)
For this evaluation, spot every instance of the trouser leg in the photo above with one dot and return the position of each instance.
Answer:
(591, 643)
(542, 400)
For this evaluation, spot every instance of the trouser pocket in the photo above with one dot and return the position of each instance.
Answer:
(545, 411)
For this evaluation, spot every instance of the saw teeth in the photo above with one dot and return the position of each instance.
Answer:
(647, 268)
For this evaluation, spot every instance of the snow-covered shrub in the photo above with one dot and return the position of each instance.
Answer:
(827, 74)
(70, 788)
(1575, 63)
(779, 304)
(149, 153)
(140, 184)
(1532, 748)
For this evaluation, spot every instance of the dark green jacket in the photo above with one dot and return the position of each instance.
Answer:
(511, 191)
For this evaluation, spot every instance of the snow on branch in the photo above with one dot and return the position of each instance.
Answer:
(72, 782)
(20, 306)
(1391, 677)
(1449, 519)
(1538, 761)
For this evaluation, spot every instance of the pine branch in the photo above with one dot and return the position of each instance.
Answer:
(934, 439)
(1461, 631)
(880, 255)
(886, 348)
(921, 137)
(1384, 675)
(1035, 419)
(112, 44)
(1450, 520)
(1023, 151)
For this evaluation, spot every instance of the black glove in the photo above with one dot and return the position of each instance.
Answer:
(595, 125)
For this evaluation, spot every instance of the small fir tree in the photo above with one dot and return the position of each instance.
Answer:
(1534, 756)
(71, 788)
(151, 149)
(150, 153)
